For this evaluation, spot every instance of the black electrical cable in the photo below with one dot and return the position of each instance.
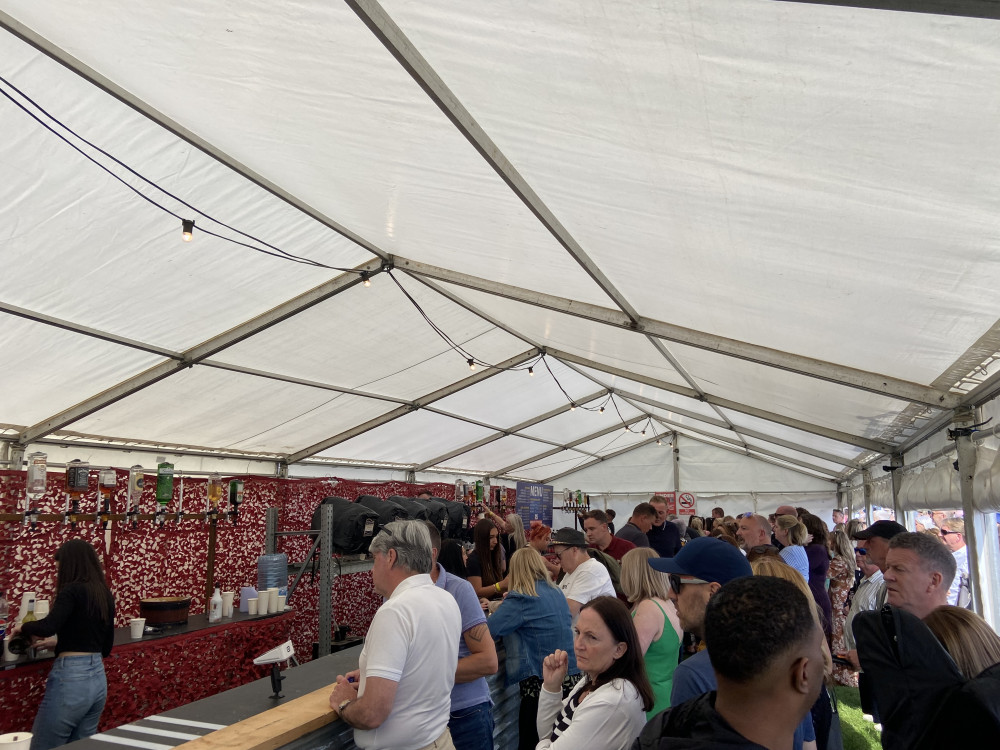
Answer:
(277, 252)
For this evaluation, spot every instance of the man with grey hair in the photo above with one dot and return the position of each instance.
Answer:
(953, 536)
(754, 531)
(400, 696)
(918, 571)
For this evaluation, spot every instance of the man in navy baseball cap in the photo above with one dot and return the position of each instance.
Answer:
(696, 573)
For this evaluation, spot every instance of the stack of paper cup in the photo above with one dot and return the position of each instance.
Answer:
(227, 603)
(137, 626)
(263, 598)
(281, 603)
(272, 599)
(252, 605)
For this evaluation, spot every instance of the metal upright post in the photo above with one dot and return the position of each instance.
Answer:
(325, 580)
(896, 477)
(849, 493)
(677, 462)
(866, 476)
(962, 434)
(271, 531)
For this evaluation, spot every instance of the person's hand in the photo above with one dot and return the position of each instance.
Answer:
(554, 670)
(484, 603)
(852, 656)
(44, 643)
(342, 691)
(350, 677)
(14, 630)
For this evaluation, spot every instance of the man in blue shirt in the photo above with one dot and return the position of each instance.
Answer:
(471, 722)
(697, 573)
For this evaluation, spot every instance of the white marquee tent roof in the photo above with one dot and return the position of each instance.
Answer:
(766, 226)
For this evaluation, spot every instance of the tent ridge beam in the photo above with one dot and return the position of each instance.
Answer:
(419, 403)
(198, 353)
(64, 58)
(799, 364)
(396, 42)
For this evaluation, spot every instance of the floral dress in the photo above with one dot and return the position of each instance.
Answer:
(841, 580)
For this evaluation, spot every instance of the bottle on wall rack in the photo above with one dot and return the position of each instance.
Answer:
(136, 481)
(215, 607)
(164, 481)
(77, 483)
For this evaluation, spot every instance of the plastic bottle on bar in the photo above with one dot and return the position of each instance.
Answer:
(37, 473)
(164, 481)
(136, 480)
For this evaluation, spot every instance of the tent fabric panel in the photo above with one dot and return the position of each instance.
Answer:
(706, 468)
(349, 133)
(503, 452)
(111, 260)
(371, 339)
(208, 407)
(411, 439)
(819, 463)
(647, 468)
(611, 346)
(615, 441)
(827, 404)
(807, 439)
(743, 151)
(541, 470)
(572, 425)
(511, 398)
(48, 370)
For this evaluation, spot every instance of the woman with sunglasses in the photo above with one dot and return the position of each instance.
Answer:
(607, 707)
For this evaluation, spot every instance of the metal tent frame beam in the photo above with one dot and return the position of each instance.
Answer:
(848, 377)
(965, 8)
(599, 459)
(395, 41)
(198, 353)
(416, 404)
(839, 436)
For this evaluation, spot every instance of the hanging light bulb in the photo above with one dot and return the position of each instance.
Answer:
(659, 442)
(531, 371)
(187, 229)
(365, 280)
(643, 432)
(601, 410)
(572, 406)
(472, 364)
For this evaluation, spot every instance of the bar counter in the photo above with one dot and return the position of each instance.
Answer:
(158, 672)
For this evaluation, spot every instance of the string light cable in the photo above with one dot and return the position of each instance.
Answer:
(273, 251)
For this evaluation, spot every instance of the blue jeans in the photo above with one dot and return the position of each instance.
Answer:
(74, 699)
(472, 727)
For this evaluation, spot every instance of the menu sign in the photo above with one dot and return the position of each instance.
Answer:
(534, 503)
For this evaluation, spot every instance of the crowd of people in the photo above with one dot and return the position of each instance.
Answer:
(728, 631)
(664, 635)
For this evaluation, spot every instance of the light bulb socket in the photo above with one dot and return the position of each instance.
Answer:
(364, 279)
(531, 371)
(187, 229)
(472, 364)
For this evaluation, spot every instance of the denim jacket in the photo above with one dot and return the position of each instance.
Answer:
(532, 627)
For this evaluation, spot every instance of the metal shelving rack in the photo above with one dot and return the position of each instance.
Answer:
(322, 542)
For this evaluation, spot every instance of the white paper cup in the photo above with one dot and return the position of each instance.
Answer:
(252, 606)
(41, 608)
(7, 655)
(137, 625)
(281, 603)
(227, 603)
(263, 597)
(272, 599)
(15, 741)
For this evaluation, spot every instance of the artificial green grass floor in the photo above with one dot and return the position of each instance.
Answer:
(859, 733)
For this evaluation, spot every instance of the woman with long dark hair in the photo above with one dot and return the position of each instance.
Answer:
(485, 565)
(818, 552)
(82, 616)
(607, 707)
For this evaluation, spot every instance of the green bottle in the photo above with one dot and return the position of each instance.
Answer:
(164, 481)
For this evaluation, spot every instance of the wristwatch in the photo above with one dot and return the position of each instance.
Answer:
(343, 705)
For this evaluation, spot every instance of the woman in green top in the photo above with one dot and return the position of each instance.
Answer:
(655, 621)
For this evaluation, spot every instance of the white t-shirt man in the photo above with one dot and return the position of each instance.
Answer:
(413, 641)
(961, 556)
(589, 581)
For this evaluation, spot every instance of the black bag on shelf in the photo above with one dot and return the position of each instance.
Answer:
(354, 525)
(459, 526)
(437, 513)
(417, 511)
(387, 510)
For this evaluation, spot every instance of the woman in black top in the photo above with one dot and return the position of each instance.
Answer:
(82, 616)
(485, 565)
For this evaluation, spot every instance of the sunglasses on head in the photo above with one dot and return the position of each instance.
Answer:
(676, 581)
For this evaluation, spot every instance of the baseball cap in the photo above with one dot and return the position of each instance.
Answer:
(569, 537)
(707, 558)
(884, 529)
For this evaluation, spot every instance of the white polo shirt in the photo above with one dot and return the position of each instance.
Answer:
(413, 641)
(589, 581)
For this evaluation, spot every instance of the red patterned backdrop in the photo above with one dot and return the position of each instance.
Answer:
(172, 561)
